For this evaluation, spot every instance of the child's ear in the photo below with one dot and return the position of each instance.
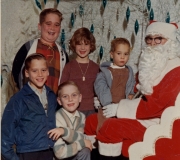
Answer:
(26, 73)
(111, 55)
(39, 26)
(80, 97)
(59, 101)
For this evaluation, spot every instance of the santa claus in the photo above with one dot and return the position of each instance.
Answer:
(159, 84)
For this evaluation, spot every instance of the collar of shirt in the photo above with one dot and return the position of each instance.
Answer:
(42, 96)
(71, 116)
(36, 91)
(50, 47)
(116, 67)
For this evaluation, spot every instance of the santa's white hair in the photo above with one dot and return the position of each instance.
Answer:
(152, 62)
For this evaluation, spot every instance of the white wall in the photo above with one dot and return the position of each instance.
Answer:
(19, 19)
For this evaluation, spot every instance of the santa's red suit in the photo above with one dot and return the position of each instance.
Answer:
(134, 116)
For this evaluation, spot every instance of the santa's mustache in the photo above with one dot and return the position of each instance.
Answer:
(153, 49)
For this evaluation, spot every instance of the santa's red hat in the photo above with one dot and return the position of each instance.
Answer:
(168, 30)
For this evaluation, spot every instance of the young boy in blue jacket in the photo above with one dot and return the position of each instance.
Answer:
(29, 115)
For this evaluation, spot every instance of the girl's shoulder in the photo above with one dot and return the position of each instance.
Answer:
(71, 63)
(93, 63)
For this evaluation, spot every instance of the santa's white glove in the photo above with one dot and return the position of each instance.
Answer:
(110, 110)
(97, 104)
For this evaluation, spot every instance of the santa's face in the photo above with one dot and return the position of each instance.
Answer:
(153, 40)
(151, 64)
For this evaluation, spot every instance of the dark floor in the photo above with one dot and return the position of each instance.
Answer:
(96, 156)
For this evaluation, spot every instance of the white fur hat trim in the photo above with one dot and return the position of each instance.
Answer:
(168, 30)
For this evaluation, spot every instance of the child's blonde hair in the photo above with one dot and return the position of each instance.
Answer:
(67, 83)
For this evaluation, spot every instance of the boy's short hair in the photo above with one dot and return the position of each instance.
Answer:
(67, 83)
(83, 34)
(31, 57)
(43, 14)
(117, 41)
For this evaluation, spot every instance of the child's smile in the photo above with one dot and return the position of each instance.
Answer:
(51, 32)
(82, 50)
(71, 104)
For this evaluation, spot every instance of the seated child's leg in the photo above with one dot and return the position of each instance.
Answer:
(101, 119)
(84, 154)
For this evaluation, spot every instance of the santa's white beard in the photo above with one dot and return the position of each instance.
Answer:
(151, 63)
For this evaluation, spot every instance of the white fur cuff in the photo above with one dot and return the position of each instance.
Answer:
(127, 108)
(110, 149)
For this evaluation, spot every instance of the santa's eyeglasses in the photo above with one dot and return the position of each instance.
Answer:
(157, 40)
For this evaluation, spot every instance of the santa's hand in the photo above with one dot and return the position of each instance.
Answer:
(110, 110)
(97, 104)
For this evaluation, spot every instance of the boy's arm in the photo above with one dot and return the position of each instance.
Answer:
(71, 142)
(71, 135)
(8, 125)
(102, 90)
(62, 149)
